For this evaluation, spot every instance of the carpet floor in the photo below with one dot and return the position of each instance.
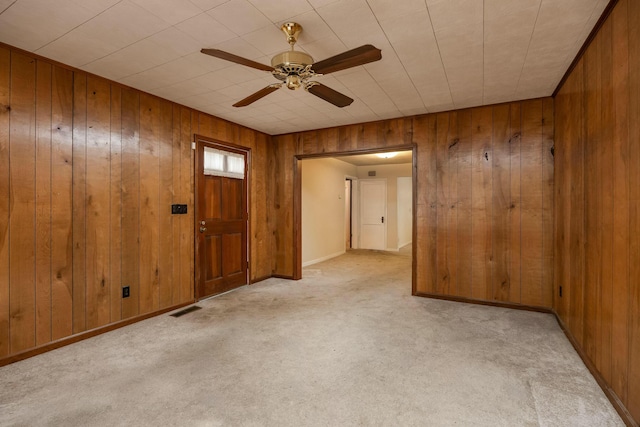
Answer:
(346, 345)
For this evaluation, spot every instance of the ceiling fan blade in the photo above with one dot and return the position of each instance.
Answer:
(259, 94)
(351, 58)
(329, 95)
(237, 59)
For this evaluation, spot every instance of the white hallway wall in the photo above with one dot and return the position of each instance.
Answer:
(323, 208)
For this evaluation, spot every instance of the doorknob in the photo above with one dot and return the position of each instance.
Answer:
(383, 220)
(203, 229)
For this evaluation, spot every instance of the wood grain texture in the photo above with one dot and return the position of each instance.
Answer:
(186, 221)
(115, 198)
(43, 202)
(22, 203)
(470, 181)
(82, 152)
(501, 204)
(165, 194)
(98, 203)
(531, 202)
(79, 203)
(515, 195)
(633, 401)
(149, 203)
(620, 319)
(597, 179)
(5, 73)
(465, 189)
(481, 152)
(606, 188)
(131, 201)
(62, 204)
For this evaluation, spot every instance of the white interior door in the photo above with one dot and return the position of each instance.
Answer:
(373, 212)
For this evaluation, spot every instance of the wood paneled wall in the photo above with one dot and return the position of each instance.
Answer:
(88, 172)
(484, 197)
(597, 200)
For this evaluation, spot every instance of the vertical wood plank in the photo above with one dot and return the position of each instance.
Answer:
(310, 142)
(5, 73)
(442, 203)
(43, 202)
(186, 228)
(620, 319)
(465, 191)
(501, 204)
(515, 240)
(79, 201)
(606, 180)
(531, 204)
(165, 187)
(633, 403)
(481, 203)
(98, 241)
(176, 286)
(425, 139)
(561, 204)
(115, 189)
(548, 142)
(189, 129)
(149, 202)
(131, 201)
(22, 203)
(452, 205)
(592, 226)
(62, 204)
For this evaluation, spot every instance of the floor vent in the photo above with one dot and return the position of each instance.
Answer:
(186, 311)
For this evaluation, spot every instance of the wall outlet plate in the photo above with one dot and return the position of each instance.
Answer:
(126, 293)
(178, 209)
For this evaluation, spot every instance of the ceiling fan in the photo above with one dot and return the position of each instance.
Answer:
(295, 69)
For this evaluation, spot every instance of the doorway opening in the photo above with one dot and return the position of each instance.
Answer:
(222, 217)
(353, 200)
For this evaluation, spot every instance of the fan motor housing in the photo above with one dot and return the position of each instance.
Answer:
(291, 59)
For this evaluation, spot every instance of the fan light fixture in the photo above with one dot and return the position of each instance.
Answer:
(387, 155)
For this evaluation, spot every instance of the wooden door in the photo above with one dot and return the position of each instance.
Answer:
(221, 230)
(373, 211)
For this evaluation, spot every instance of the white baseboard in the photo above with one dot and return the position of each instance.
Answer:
(392, 250)
(324, 258)
(402, 245)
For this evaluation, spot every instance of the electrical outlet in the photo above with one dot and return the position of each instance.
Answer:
(125, 292)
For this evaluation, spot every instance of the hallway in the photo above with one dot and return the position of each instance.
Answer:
(346, 345)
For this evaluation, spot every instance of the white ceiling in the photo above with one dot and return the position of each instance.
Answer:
(436, 54)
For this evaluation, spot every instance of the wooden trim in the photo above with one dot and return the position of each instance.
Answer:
(414, 220)
(486, 302)
(88, 334)
(608, 391)
(605, 14)
(259, 279)
(297, 218)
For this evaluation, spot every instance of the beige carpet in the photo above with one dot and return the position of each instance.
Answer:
(347, 345)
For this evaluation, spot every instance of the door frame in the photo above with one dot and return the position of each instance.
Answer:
(297, 201)
(226, 146)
